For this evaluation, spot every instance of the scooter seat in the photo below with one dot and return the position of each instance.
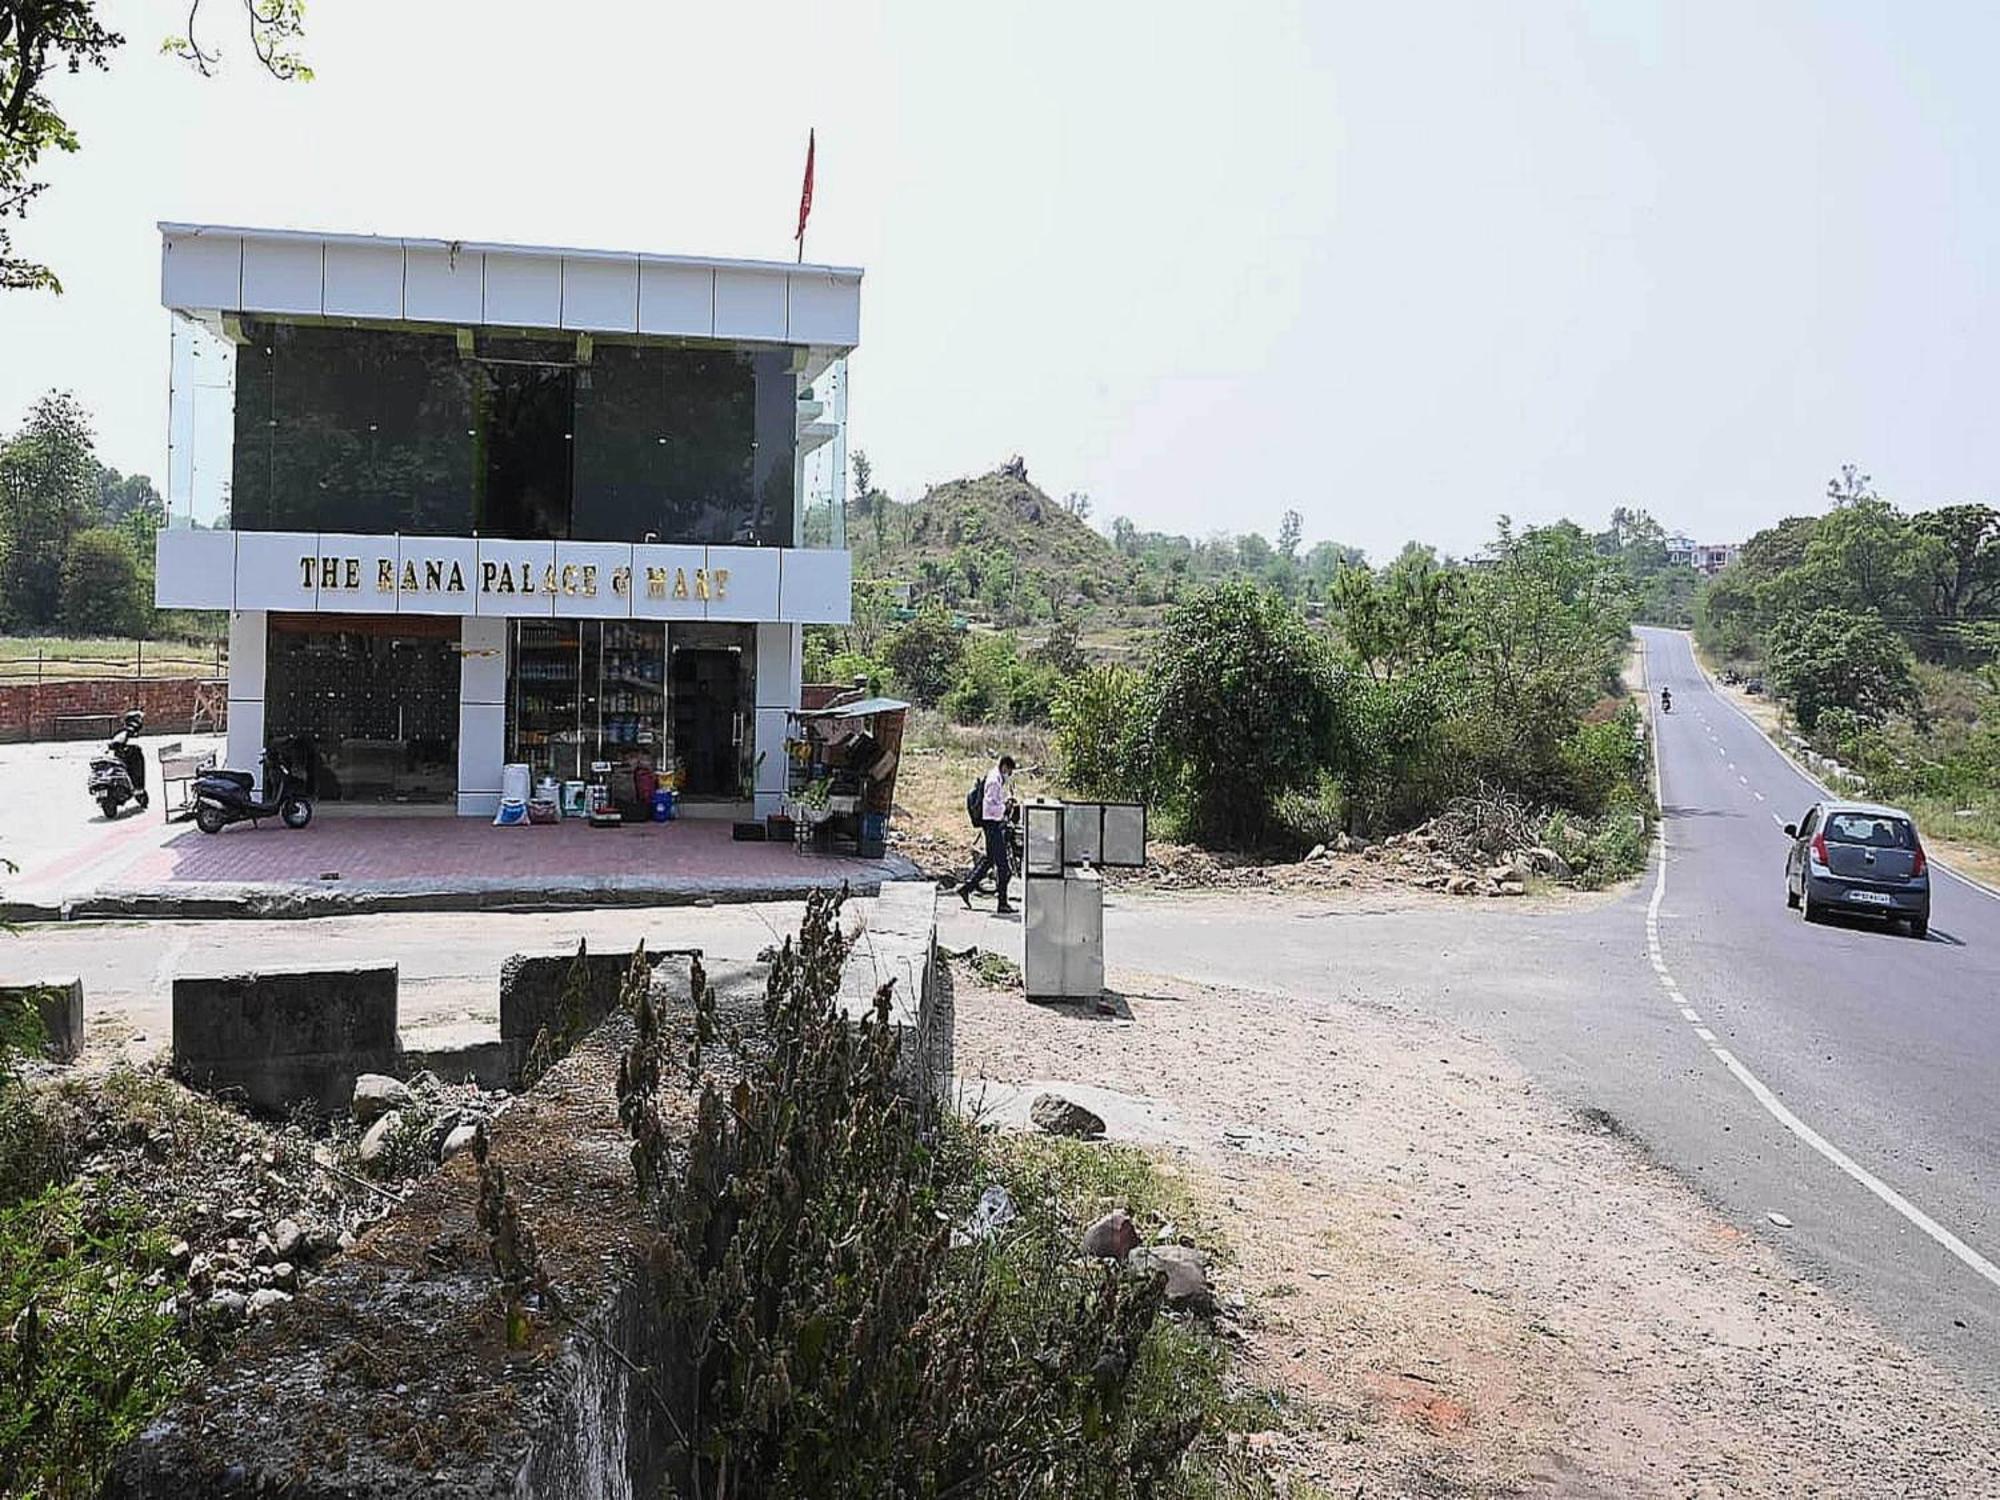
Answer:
(241, 779)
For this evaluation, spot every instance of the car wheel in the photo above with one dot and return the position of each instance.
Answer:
(296, 814)
(1791, 896)
(1807, 908)
(210, 819)
(1920, 927)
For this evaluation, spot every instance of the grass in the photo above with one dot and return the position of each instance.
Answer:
(57, 658)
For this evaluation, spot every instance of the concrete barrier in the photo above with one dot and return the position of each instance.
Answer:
(59, 1004)
(282, 1038)
(534, 996)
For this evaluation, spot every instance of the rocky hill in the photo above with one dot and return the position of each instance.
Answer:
(994, 544)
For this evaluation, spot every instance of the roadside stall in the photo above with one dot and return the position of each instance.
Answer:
(841, 777)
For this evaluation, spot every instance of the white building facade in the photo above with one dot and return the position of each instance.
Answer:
(474, 504)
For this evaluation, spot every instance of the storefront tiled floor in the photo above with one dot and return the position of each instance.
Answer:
(472, 853)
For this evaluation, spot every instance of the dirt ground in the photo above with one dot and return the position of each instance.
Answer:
(1466, 1290)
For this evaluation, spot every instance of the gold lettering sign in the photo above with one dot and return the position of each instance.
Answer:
(385, 575)
(621, 581)
(456, 584)
(701, 583)
(590, 580)
(548, 578)
(410, 577)
(656, 583)
(680, 583)
(306, 568)
(434, 575)
(569, 578)
(718, 581)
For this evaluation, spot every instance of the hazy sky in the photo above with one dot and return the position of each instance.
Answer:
(1403, 267)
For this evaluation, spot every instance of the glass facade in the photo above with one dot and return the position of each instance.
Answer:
(658, 703)
(314, 426)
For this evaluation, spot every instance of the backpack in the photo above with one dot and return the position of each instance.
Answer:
(975, 803)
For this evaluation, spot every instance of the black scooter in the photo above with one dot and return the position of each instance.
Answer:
(119, 775)
(225, 797)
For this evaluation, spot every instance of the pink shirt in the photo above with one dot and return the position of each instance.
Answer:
(994, 808)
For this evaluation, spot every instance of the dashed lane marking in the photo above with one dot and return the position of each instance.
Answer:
(1978, 1264)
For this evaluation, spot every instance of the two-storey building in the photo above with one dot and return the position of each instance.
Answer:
(472, 504)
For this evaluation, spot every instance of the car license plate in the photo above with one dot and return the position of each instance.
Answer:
(1872, 898)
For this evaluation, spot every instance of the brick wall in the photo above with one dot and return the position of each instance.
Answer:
(28, 711)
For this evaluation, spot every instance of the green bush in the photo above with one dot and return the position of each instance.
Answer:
(1238, 706)
(1834, 658)
(1094, 713)
(91, 1350)
(104, 589)
(924, 655)
(1304, 817)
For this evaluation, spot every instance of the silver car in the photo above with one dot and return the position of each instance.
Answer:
(1859, 858)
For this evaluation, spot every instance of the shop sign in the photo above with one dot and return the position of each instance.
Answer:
(356, 574)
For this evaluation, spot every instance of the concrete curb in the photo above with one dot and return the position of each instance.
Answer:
(1806, 771)
(299, 901)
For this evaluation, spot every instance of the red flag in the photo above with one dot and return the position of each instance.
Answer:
(806, 194)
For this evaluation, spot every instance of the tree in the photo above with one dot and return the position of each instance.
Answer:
(48, 493)
(1124, 536)
(1077, 503)
(41, 38)
(1965, 581)
(1238, 706)
(1291, 529)
(925, 654)
(104, 589)
(1836, 658)
(1095, 713)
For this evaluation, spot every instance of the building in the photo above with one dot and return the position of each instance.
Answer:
(1712, 557)
(1705, 557)
(474, 504)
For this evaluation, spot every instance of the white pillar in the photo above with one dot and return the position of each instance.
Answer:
(249, 643)
(482, 714)
(779, 661)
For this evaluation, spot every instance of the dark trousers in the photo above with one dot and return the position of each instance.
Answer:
(995, 859)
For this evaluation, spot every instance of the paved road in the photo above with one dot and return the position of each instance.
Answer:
(1887, 1048)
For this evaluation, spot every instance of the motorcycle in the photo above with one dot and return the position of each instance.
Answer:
(119, 775)
(1666, 701)
(225, 797)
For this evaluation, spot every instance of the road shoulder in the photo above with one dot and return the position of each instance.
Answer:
(1463, 1288)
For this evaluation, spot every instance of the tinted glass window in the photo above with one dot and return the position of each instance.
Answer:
(352, 429)
(1867, 828)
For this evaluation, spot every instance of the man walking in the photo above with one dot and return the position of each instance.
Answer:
(993, 818)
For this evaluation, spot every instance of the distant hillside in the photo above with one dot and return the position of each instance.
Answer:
(995, 545)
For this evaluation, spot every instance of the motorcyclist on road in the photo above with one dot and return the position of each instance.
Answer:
(1666, 700)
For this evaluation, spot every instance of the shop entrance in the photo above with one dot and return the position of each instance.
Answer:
(713, 692)
(368, 704)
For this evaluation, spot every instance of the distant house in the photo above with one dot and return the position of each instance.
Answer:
(1706, 557)
(1712, 557)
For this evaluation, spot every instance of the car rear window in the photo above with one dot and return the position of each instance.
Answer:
(1867, 828)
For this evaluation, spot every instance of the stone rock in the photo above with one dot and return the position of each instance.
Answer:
(1058, 1116)
(376, 1142)
(285, 1276)
(286, 1239)
(270, 1297)
(180, 1257)
(226, 1306)
(460, 1139)
(1186, 1270)
(1460, 884)
(1112, 1237)
(1511, 888)
(375, 1094)
(1318, 852)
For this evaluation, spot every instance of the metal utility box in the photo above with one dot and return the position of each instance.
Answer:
(1063, 936)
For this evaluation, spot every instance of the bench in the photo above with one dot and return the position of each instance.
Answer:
(98, 726)
(182, 765)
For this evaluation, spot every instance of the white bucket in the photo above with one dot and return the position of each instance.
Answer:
(514, 784)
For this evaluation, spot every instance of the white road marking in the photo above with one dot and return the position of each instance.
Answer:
(1742, 778)
(1774, 817)
(1760, 797)
(1775, 1106)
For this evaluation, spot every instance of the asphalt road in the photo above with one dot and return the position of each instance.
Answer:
(1886, 1048)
